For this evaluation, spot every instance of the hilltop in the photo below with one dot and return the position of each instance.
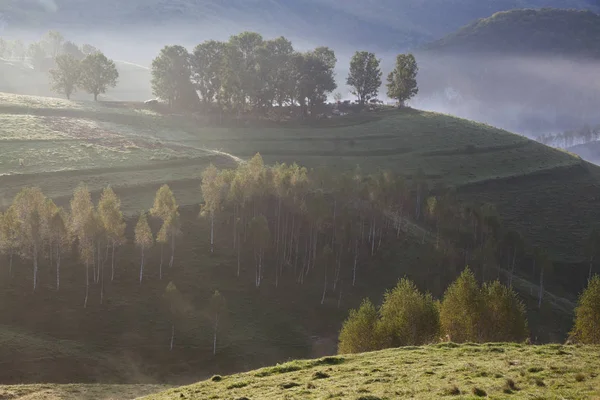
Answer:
(495, 369)
(531, 32)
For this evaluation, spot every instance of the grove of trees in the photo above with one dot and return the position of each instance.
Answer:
(250, 73)
(290, 225)
(467, 313)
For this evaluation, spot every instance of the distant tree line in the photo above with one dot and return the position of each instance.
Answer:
(583, 135)
(251, 73)
(70, 67)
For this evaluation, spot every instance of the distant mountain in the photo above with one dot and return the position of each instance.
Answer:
(569, 33)
(381, 24)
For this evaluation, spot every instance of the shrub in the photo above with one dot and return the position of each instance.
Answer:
(479, 392)
(408, 317)
(360, 331)
(586, 328)
(504, 314)
(461, 309)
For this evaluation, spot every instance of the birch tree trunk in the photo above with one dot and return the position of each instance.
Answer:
(162, 250)
(591, 267)
(35, 267)
(541, 294)
(215, 335)
(142, 266)
(102, 284)
(87, 283)
(57, 267)
(112, 274)
(324, 288)
(172, 250)
(172, 336)
(212, 231)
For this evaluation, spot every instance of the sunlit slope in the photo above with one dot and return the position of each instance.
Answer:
(545, 193)
(495, 370)
(56, 144)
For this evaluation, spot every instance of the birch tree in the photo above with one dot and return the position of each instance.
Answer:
(111, 216)
(9, 235)
(60, 239)
(178, 308)
(166, 209)
(259, 230)
(211, 192)
(217, 309)
(143, 239)
(83, 227)
(29, 207)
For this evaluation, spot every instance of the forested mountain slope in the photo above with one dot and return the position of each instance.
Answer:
(555, 32)
(383, 24)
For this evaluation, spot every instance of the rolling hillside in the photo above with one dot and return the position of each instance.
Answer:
(556, 32)
(444, 370)
(56, 144)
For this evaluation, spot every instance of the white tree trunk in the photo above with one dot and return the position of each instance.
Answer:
(215, 335)
(102, 284)
(355, 262)
(112, 274)
(57, 267)
(142, 266)
(162, 249)
(87, 283)
(238, 259)
(541, 294)
(324, 287)
(35, 266)
(172, 336)
(591, 267)
(172, 250)
(212, 231)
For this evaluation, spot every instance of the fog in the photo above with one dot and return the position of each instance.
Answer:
(527, 95)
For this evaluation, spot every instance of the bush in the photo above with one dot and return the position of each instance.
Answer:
(586, 328)
(360, 331)
(461, 309)
(504, 314)
(408, 317)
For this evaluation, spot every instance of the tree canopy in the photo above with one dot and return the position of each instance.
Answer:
(364, 76)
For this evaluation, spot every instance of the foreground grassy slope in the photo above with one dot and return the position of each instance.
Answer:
(444, 370)
(78, 391)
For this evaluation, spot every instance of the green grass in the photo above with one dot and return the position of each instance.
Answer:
(78, 392)
(495, 370)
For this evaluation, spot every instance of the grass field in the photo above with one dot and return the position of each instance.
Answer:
(134, 148)
(495, 370)
(78, 392)
(547, 194)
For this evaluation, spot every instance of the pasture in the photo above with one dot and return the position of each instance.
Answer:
(445, 370)
(56, 144)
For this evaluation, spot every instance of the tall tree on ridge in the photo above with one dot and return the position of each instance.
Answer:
(171, 72)
(364, 76)
(66, 75)
(402, 81)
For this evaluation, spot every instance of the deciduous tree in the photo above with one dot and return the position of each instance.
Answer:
(408, 317)
(364, 76)
(586, 328)
(171, 72)
(143, 238)
(98, 73)
(360, 331)
(461, 309)
(111, 216)
(402, 81)
(66, 75)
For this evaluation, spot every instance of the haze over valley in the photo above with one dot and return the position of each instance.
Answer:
(314, 199)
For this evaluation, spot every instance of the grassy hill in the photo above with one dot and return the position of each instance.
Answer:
(136, 149)
(445, 370)
(557, 32)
